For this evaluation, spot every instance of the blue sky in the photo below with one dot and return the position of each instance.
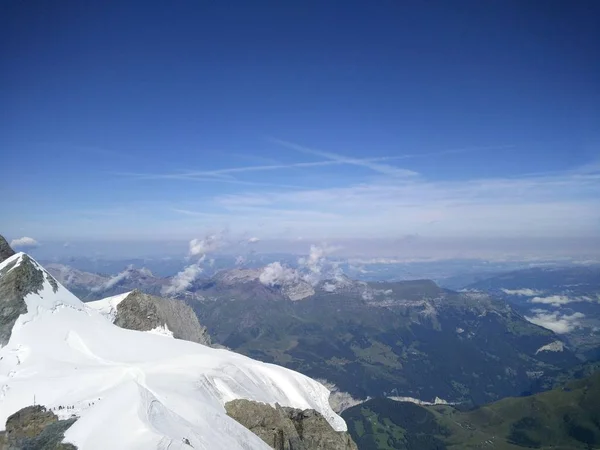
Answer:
(157, 121)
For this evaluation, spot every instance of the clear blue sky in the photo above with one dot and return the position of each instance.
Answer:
(321, 120)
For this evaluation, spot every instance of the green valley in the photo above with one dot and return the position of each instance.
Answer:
(563, 418)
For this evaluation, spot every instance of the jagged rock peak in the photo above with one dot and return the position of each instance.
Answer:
(20, 276)
(5, 250)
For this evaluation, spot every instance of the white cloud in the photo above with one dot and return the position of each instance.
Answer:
(559, 323)
(278, 274)
(202, 246)
(558, 300)
(197, 247)
(253, 240)
(554, 300)
(112, 282)
(315, 262)
(183, 280)
(525, 292)
(311, 269)
(24, 243)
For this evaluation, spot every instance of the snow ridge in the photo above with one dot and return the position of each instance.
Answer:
(108, 306)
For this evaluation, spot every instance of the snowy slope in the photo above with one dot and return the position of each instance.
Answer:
(136, 390)
(108, 306)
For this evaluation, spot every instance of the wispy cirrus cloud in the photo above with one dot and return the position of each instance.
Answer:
(558, 204)
(340, 159)
(192, 176)
(225, 175)
(296, 165)
(383, 201)
(532, 206)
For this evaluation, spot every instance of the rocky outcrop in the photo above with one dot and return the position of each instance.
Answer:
(35, 428)
(5, 250)
(143, 312)
(15, 284)
(288, 428)
(298, 290)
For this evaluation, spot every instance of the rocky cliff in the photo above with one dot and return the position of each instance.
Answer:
(288, 428)
(16, 283)
(143, 312)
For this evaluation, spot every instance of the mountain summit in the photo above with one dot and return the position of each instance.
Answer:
(128, 389)
(5, 250)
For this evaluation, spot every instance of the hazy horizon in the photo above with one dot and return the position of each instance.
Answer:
(400, 250)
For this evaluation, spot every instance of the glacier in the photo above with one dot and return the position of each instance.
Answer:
(131, 389)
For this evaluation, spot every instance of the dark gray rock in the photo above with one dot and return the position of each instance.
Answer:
(15, 284)
(143, 312)
(288, 428)
(5, 250)
(35, 428)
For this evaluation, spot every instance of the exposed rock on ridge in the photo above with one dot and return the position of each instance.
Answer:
(5, 250)
(288, 428)
(247, 283)
(143, 312)
(35, 428)
(15, 284)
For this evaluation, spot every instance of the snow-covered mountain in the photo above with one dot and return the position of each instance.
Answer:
(129, 389)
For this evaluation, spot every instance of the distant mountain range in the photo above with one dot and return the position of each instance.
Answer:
(449, 273)
(374, 339)
(90, 286)
(564, 299)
